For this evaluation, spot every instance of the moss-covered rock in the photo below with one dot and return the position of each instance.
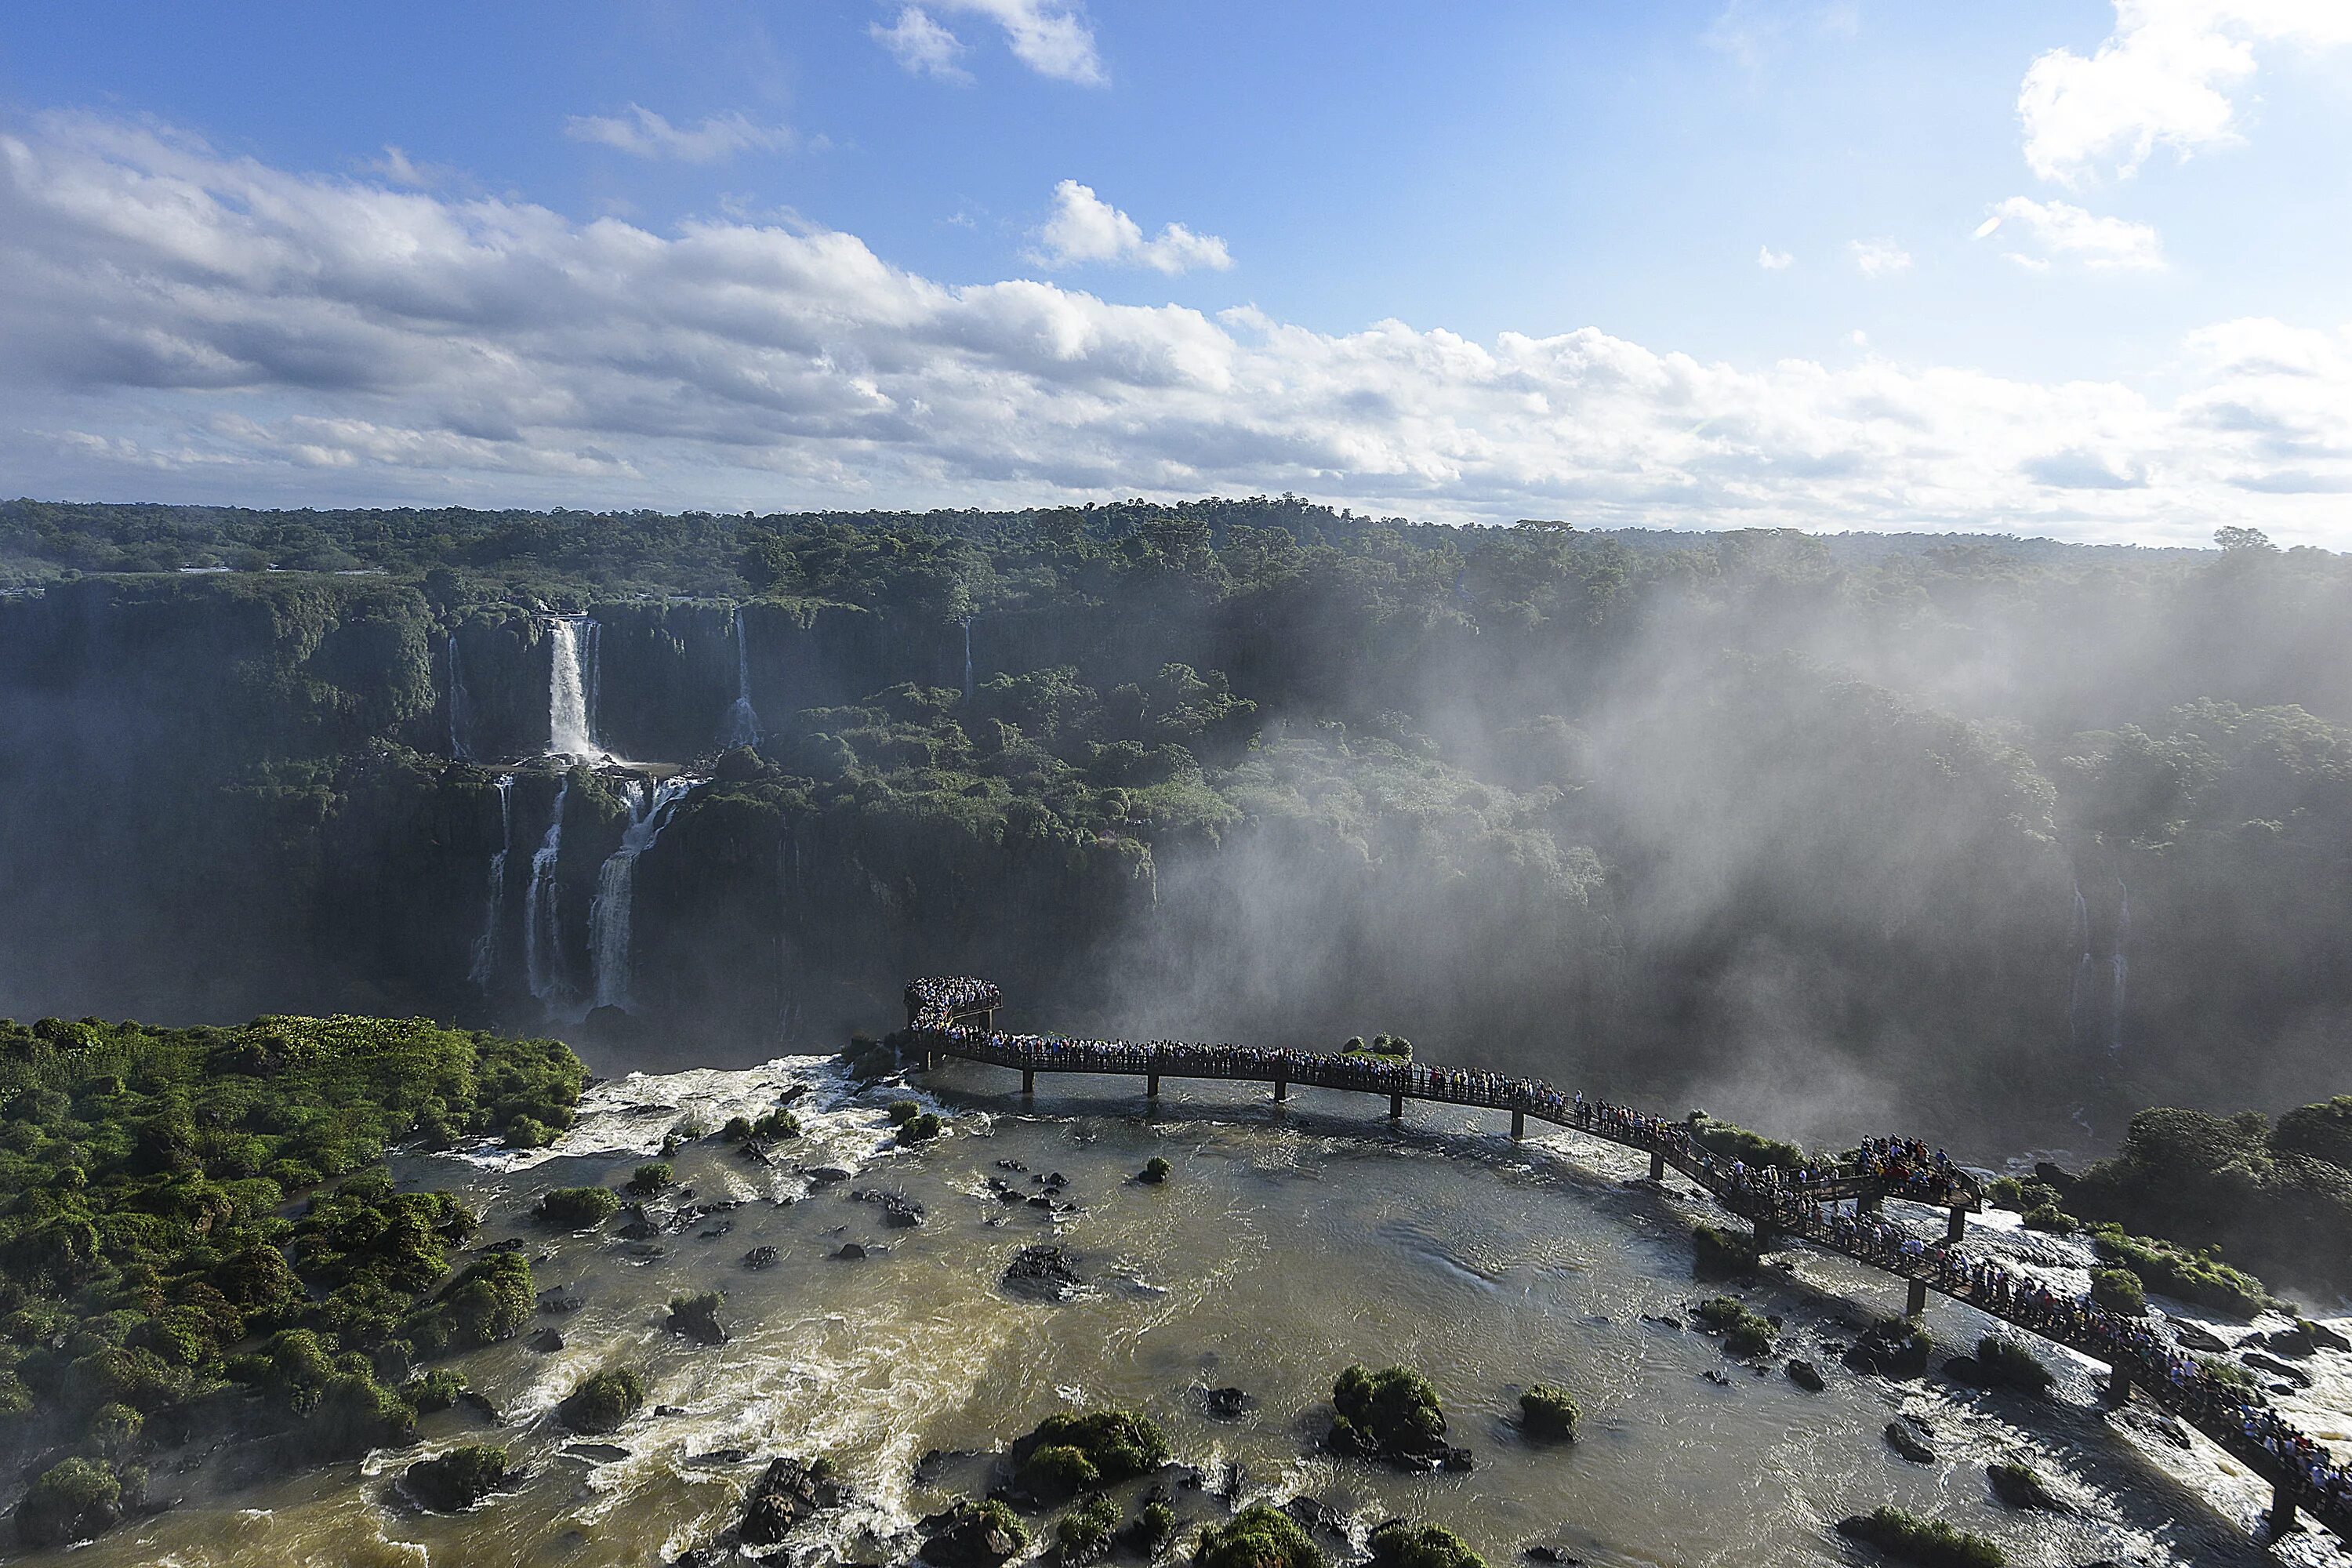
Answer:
(457, 1479)
(1927, 1543)
(603, 1400)
(72, 1500)
(1547, 1413)
(1394, 1414)
(578, 1207)
(1400, 1544)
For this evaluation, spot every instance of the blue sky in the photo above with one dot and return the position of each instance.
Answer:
(1694, 265)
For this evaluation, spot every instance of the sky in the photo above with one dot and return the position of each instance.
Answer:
(2068, 267)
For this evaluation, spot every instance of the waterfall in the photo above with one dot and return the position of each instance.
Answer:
(572, 691)
(743, 723)
(458, 715)
(2081, 965)
(486, 948)
(609, 917)
(542, 936)
(967, 656)
(2121, 964)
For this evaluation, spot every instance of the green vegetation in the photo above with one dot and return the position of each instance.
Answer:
(1069, 1454)
(919, 1129)
(1257, 1536)
(1731, 1142)
(1928, 1542)
(1394, 1414)
(1388, 1048)
(1155, 1171)
(1397, 1544)
(144, 1175)
(778, 1123)
(2197, 1277)
(902, 1111)
(1722, 1254)
(1547, 1412)
(1084, 1533)
(695, 1316)
(436, 1390)
(2004, 1363)
(651, 1180)
(2118, 1290)
(578, 1207)
(2021, 1486)
(457, 1479)
(1744, 1333)
(1155, 1525)
(2050, 1217)
(603, 1400)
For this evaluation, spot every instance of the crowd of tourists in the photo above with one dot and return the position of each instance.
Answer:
(1804, 1199)
(937, 1000)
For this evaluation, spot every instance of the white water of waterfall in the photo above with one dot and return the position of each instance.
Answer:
(542, 936)
(610, 917)
(2122, 965)
(458, 717)
(2082, 966)
(967, 656)
(486, 947)
(572, 689)
(743, 723)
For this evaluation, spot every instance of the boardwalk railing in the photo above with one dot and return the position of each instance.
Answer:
(1829, 1205)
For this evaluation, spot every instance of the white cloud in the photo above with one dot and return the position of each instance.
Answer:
(1051, 37)
(2165, 77)
(921, 45)
(2068, 233)
(1085, 228)
(1879, 257)
(641, 133)
(221, 330)
(1772, 260)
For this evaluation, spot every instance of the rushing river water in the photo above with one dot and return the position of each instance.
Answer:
(1284, 1246)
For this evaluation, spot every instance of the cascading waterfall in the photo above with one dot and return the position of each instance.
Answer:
(486, 947)
(2121, 966)
(2081, 965)
(967, 656)
(542, 937)
(572, 689)
(609, 917)
(743, 723)
(458, 717)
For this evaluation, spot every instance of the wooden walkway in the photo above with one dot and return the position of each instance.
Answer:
(956, 1018)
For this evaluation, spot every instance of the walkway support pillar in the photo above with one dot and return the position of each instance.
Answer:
(1958, 1226)
(1917, 1302)
(1396, 1108)
(2119, 1385)
(1518, 1123)
(2282, 1511)
(1152, 1086)
(1281, 1089)
(1028, 1080)
(1657, 1166)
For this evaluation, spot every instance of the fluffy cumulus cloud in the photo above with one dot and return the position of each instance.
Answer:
(2169, 75)
(1879, 257)
(188, 325)
(1085, 228)
(1772, 260)
(641, 133)
(2069, 234)
(1051, 37)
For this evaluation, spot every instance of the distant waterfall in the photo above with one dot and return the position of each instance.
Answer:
(2121, 964)
(572, 689)
(459, 718)
(743, 723)
(542, 935)
(610, 916)
(2082, 965)
(967, 656)
(486, 947)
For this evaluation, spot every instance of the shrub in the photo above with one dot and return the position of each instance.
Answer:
(1257, 1536)
(356, 1414)
(1393, 1411)
(1155, 1171)
(1547, 1412)
(1116, 1444)
(1929, 1543)
(1721, 1254)
(1155, 1526)
(778, 1123)
(578, 1207)
(1397, 1544)
(458, 1479)
(2003, 1363)
(436, 1390)
(1085, 1531)
(528, 1133)
(2118, 1290)
(115, 1429)
(1729, 1141)
(902, 1111)
(738, 1129)
(2050, 1217)
(1059, 1470)
(72, 1500)
(1744, 1333)
(603, 1400)
(491, 1301)
(647, 1180)
(2197, 1277)
(919, 1129)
